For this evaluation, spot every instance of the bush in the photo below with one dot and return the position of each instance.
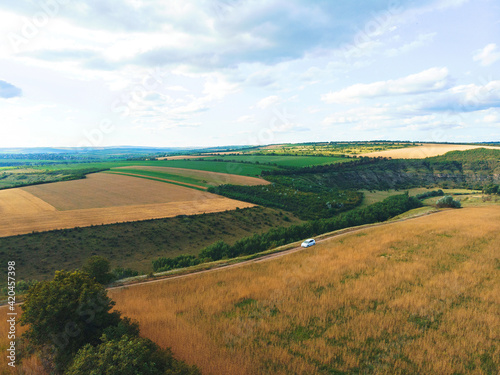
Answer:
(65, 314)
(428, 194)
(492, 189)
(181, 261)
(448, 201)
(122, 273)
(98, 267)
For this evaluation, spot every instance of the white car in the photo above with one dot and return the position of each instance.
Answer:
(309, 242)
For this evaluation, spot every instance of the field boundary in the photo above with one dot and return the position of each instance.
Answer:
(173, 182)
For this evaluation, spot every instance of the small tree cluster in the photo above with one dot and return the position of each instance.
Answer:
(492, 189)
(448, 201)
(72, 326)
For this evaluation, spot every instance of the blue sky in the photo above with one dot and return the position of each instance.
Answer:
(227, 72)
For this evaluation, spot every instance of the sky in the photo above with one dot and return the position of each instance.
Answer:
(196, 73)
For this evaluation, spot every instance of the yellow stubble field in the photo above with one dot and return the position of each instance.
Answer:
(415, 297)
(423, 151)
(101, 199)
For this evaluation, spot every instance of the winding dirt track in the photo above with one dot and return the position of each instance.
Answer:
(268, 257)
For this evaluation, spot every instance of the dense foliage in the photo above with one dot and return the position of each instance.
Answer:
(491, 189)
(98, 268)
(71, 325)
(165, 264)
(448, 201)
(465, 169)
(321, 202)
(65, 314)
(430, 194)
(128, 355)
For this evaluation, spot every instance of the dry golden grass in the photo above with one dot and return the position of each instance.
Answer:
(101, 199)
(31, 366)
(213, 178)
(422, 151)
(414, 297)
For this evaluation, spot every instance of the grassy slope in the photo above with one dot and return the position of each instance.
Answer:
(135, 244)
(390, 299)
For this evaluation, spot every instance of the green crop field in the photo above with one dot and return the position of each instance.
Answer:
(160, 174)
(282, 160)
(203, 165)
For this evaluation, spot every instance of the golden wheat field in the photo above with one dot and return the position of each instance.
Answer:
(101, 199)
(423, 151)
(415, 297)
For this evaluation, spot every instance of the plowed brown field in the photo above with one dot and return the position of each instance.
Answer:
(423, 151)
(101, 199)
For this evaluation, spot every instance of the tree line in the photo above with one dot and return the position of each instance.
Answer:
(381, 211)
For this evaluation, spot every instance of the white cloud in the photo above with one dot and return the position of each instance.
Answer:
(246, 119)
(421, 40)
(466, 98)
(434, 79)
(488, 55)
(268, 101)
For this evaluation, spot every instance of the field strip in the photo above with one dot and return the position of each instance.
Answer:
(15, 201)
(181, 157)
(217, 177)
(274, 253)
(185, 184)
(23, 223)
(423, 151)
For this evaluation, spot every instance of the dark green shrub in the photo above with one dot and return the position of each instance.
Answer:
(448, 201)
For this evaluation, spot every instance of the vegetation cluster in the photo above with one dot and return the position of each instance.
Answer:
(275, 237)
(72, 326)
(467, 169)
(307, 205)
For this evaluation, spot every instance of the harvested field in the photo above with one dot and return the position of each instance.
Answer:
(101, 190)
(413, 297)
(16, 201)
(101, 199)
(210, 178)
(423, 151)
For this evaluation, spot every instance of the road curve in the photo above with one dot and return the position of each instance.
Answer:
(268, 257)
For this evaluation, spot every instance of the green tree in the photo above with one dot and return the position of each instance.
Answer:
(448, 201)
(130, 355)
(65, 314)
(98, 267)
